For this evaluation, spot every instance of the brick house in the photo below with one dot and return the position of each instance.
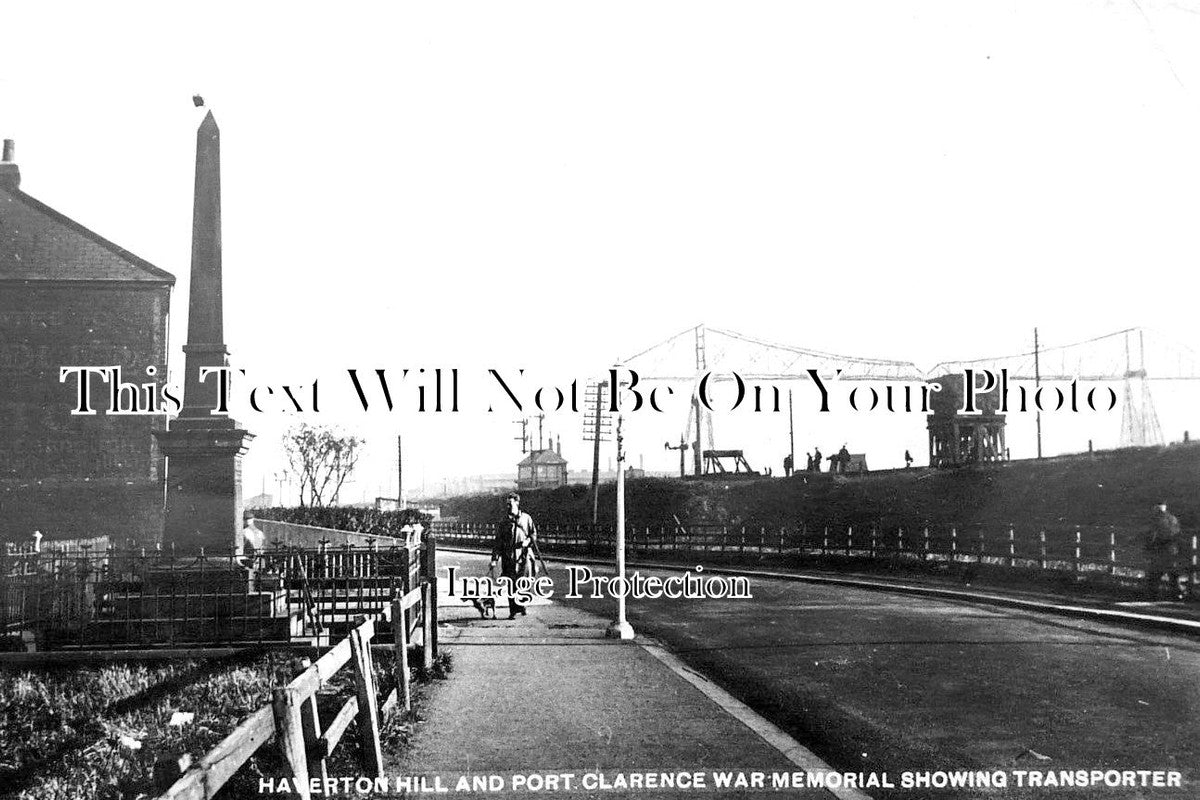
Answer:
(69, 297)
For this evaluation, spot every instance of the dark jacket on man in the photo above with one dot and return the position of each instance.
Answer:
(515, 536)
(1162, 541)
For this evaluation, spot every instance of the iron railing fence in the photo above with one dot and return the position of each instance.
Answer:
(1097, 550)
(92, 596)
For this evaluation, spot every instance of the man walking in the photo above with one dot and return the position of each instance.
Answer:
(515, 537)
(1162, 553)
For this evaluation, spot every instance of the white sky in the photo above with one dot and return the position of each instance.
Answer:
(555, 185)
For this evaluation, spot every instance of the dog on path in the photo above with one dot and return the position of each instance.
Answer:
(484, 605)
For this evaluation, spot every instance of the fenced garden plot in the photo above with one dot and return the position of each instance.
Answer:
(88, 598)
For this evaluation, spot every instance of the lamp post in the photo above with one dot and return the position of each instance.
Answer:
(620, 629)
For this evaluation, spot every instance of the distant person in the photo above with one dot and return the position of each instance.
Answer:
(816, 459)
(1162, 553)
(908, 459)
(843, 459)
(787, 466)
(253, 540)
(515, 537)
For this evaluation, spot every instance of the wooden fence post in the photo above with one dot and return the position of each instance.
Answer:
(406, 582)
(1012, 546)
(368, 707)
(1078, 547)
(429, 602)
(1042, 551)
(1112, 552)
(289, 732)
(400, 634)
(925, 555)
(1195, 572)
(849, 538)
(873, 533)
(169, 769)
(310, 728)
(953, 543)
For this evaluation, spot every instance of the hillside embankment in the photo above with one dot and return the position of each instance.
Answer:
(1116, 487)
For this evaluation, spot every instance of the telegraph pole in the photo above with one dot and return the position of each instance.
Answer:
(1037, 382)
(597, 433)
(791, 432)
(399, 473)
(596, 458)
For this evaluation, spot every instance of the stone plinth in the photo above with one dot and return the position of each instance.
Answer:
(188, 576)
(204, 488)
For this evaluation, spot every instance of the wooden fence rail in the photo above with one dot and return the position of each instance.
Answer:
(293, 718)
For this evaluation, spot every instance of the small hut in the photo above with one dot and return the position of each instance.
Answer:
(542, 469)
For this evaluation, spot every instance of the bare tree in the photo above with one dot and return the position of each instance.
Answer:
(322, 458)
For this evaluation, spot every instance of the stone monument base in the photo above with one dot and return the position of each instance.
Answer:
(190, 601)
(199, 576)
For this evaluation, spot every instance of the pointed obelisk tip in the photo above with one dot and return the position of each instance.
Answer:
(209, 123)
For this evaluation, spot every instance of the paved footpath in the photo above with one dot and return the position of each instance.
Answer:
(547, 694)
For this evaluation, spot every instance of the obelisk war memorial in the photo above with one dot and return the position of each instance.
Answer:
(190, 581)
(204, 449)
(198, 586)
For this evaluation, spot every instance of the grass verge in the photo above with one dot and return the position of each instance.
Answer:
(96, 731)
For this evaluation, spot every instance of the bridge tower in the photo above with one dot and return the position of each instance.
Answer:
(1139, 420)
(701, 416)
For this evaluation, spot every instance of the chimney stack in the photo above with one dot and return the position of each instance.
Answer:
(560, 445)
(10, 175)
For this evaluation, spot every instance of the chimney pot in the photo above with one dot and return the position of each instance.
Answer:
(10, 174)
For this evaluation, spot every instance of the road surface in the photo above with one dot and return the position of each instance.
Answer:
(873, 681)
